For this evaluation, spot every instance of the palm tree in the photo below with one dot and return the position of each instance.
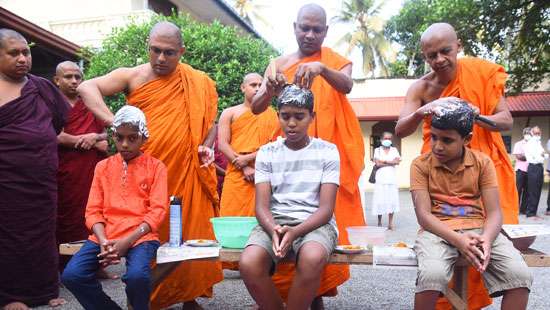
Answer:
(250, 10)
(367, 35)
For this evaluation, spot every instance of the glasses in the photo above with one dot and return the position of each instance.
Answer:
(158, 51)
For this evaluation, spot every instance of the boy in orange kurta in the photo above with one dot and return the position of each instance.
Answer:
(481, 83)
(180, 104)
(328, 75)
(240, 135)
(127, 203)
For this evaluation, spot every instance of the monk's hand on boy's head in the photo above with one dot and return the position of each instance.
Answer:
(206, 155)
(248, 173)
(102, 146)
(434, 107)
(274, 84)
(306, 73)
(468, 245)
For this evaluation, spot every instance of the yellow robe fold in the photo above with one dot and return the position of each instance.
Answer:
(180, 109)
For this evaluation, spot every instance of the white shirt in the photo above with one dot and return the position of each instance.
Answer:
(534, 152)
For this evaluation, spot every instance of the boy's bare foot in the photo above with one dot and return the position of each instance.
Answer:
(104, 274)
(317, 303)
(16, 305)
(191, 305)
(56, 302)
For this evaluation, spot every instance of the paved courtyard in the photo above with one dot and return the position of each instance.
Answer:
(368, 288)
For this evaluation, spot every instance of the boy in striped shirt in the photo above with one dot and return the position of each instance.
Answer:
(296, 183)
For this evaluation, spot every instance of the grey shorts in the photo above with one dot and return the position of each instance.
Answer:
(325, 235)
(436, 259)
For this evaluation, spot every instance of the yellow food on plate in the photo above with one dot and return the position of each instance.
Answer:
(201, 241)
(352, 247)
(400, 244)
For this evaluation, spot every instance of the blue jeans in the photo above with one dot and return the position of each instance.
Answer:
(80, 276)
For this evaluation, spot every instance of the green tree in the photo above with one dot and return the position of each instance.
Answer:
(513, 33)
(367, 34)
(220, 51)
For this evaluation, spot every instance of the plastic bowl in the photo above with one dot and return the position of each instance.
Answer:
(233, 231)
(366, 235)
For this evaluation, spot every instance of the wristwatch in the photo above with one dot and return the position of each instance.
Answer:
(141, 230)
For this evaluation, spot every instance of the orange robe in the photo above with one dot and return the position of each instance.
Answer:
(336, 122)
(180, 109)
(481, 83)
(248, 133)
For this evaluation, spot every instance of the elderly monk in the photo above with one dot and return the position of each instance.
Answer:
(482, 84)
(328, 75)
(32, 113)
(240, 135)
(180, 104)
(81, 145)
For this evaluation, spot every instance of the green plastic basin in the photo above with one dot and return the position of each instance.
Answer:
(233, 231)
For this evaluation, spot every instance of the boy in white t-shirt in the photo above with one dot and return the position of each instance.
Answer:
(296, 182)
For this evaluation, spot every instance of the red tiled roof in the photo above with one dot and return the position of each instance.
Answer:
(388, 108)
(530, 104)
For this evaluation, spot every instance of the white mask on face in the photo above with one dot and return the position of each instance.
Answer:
(536, 138)
(386, 143)
(526, 137)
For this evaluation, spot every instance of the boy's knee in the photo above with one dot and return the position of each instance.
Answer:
(137, 276)
(312, 257)
(71, 276)
(251, 263)
(434, 275)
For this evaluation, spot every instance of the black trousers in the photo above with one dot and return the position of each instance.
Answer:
(535, 177)
(521, 185)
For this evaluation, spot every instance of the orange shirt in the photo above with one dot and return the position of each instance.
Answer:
(455, 195)
(124, 196)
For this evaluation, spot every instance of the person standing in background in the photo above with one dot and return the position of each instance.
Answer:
(521, 169)
(385, 199)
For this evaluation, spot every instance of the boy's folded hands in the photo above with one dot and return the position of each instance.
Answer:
(283, 237)
(112, 251)
(475, 249)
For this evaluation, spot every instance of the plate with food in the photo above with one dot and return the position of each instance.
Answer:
(401, 244)
(201, 242)
(350, 249)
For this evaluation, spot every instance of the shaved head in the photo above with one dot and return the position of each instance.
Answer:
(312, 9)
(63, 66)
(437, 31)
(251, 76)
(166, 30)
(6, 33)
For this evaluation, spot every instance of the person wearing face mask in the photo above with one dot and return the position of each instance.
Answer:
(386, 197)
(521, 169)
(534, 154)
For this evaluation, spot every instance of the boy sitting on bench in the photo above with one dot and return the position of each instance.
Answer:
(127, 203)
(296, 182)
(455, 195)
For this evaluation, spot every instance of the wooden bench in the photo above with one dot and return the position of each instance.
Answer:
(456, 296)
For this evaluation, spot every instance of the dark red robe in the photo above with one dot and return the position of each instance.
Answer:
(74, 178)
(28, 193)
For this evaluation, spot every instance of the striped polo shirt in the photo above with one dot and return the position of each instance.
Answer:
(296, 176)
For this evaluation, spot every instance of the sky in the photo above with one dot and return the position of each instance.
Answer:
(282, 13)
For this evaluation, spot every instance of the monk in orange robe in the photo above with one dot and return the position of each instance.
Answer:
(240, 135)
(482, 84)
(180, 104)
(328, 75)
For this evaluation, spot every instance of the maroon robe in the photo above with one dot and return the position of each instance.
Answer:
(28, 193)
(74, 178)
